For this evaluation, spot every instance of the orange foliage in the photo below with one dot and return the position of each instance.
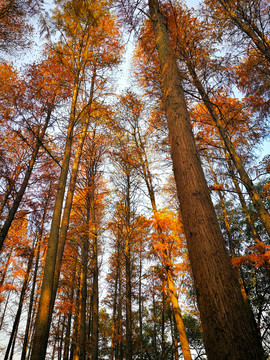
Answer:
(168, 239)
(217, 187)
(258, 255)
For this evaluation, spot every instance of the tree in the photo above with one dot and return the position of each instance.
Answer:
(79, 53)
(14, 28)
(211, 267)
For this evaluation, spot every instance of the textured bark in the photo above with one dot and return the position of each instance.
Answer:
(44, 317)
(31, 300)
(114, 324)
(140, 305)
(93, 235)
(71, 189)
(68, 328)
(128, 277)
(228, 324)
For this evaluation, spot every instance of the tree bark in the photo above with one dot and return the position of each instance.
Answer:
(228, 324)
(128, 276)
(19, 310)
(45, 303)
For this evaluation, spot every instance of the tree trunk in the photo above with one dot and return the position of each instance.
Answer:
(228, 230)
(247, 182)
(43, 319)
(128, 277)
(31, 301)
(228, 324)
(19, 311)
(167, 269)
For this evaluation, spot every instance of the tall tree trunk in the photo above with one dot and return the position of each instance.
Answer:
(128, 275)
(95, 317)
(43, 319)
(31, 300)
(114, 324)
(71, 189)
(228, 324)
(140, 305)
(83, 297)
(68, 328)
(120, 350)
(168, 270)
(21, 301)
(93, 234)
(255, 235)
(77, 319)
(228, 230)
(247, 182)
(154, 339)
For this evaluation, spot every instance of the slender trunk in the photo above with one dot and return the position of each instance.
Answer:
(19, 311)
(255, 197)
(128, 276)
(163, 327)
(120, 350)
(78, 318)
(43, 320)
(93, 234)
(68, 328)
(5, 308)
(228, 231)
(248, 26)
(167, 269)
(175, 355)
(13, 345)
(13, 210)
(255, 236)
(140, 307)
(31, 300)
(61, 338)
(155, 328)
(113, 343)
(83, 297)
(228, 323)
(71, 189)
(178, 317)
(95, 317)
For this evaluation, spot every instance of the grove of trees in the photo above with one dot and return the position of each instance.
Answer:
(134, 224)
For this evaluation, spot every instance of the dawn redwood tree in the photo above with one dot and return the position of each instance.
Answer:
(89, 39)
(228, 323)
(131, 113)
(249, 17)
(15, 30)
(193, 53)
